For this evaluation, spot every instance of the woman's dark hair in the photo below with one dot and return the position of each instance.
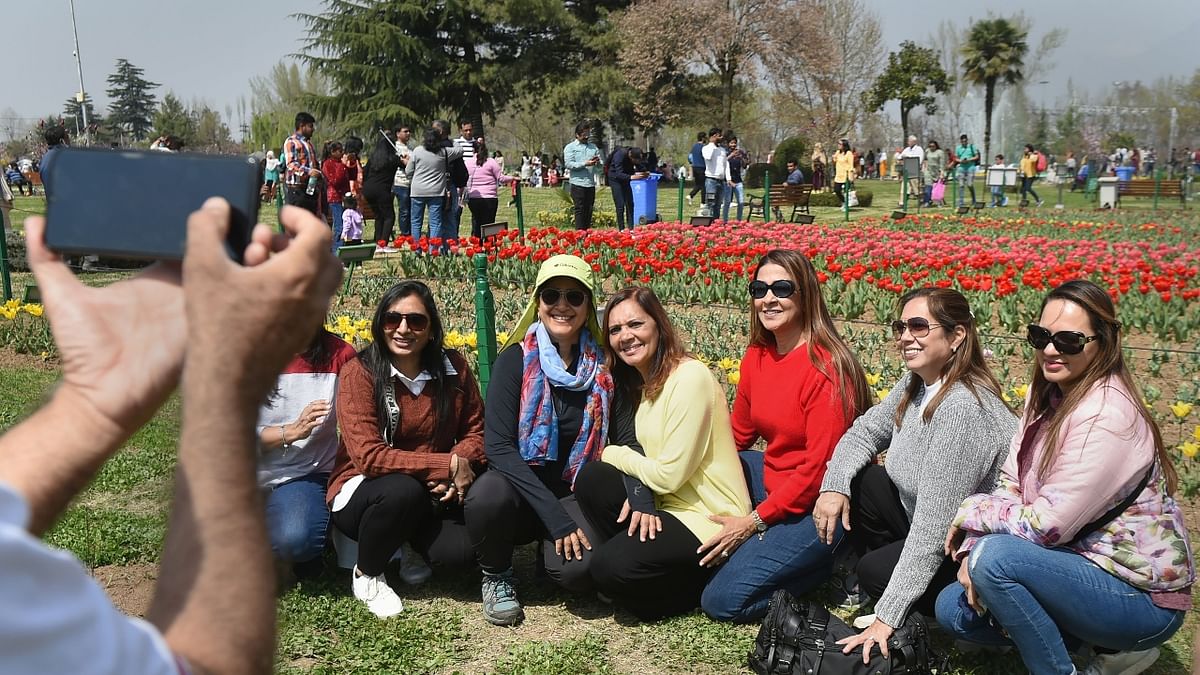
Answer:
(934, 144)
(330, 148)
(378, 361)
(844, 145)
(1029, 147)
(1108, 362)
(382, 153)
(432, 140)
(667, 354)
(481, 152)
(317, 354)
(354, 145)
(814, 319)
(949, 309)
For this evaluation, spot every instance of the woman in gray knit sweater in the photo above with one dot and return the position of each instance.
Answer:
(946, 432)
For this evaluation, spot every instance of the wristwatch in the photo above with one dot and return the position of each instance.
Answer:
(759, 525)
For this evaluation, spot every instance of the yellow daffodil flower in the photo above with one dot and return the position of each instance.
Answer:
(1181, 409)
(1189, 449)
(873, 379)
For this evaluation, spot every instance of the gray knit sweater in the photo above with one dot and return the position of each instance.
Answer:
(934, 466)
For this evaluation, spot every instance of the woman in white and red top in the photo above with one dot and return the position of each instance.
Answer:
(297, 441)
(484, 174)
(1081, 541)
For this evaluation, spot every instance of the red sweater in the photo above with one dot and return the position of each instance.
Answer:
(363, 450)
(798, 411)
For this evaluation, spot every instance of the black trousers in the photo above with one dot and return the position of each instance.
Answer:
(387, 511)
(879, 527)
(584, 199)
(499, 519)
(655, 578)
(483, 212)
(622, 194)
(384, 208)
(296, 196)
(698, 177)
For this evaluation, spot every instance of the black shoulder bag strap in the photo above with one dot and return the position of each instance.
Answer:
(1115, 511)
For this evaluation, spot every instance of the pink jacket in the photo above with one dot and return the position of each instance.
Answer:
(1106, 451)
(483, 179)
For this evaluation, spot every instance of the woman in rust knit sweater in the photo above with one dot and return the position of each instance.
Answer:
(412, 441)
(800, 387)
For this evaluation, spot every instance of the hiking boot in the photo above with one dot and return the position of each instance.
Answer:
(1122, 663)
(377, 594)
(500, 604)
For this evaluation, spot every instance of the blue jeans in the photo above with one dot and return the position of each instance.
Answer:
(297, 518)
(403, 212)
(434, 205)
(622, 194)
(1049, 600)
(714, 195)
(335, 211)
(451, 218)
(997, 195)
(966, 181)
(790, 555)
(739, 191)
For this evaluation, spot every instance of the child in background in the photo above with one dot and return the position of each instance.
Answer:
(352, 221)
(998, 198)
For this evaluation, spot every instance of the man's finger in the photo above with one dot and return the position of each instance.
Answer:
(845, 521)
(53, 276)
(583, 538)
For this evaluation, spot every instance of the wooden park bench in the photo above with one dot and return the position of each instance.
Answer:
(1172, 189)
(796, 196)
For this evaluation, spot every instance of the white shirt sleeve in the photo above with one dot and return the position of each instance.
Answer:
(55, 618)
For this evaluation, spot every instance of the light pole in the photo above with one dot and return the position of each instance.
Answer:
(79, 68)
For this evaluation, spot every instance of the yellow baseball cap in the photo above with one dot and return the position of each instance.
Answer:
(571, 267)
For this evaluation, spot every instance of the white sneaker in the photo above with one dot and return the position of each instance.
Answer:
(413, 570)
(379, 596)
(1122, 663)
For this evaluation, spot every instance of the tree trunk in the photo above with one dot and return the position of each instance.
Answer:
(903, 123)
(727, 79)
(989, 99)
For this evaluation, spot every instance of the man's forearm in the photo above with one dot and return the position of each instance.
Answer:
(52, 456)
(214, 599)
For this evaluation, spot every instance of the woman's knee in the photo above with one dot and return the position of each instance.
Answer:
(299, 539)
(720, 602)
(991, 558)
(595, 480)
(573, 576)
(490, 494)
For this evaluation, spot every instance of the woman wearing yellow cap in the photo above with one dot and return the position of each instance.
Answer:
(550, 409)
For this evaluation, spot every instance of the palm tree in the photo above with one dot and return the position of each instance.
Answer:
(994, 53)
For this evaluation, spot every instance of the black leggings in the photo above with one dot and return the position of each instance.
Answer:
(499, 519)
(389, 510)
(1027, 187)
(483, 212)
(385, 213)
(698, 176)
(655, 578)
(880, 527)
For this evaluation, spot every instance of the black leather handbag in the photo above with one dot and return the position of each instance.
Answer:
(798, 637)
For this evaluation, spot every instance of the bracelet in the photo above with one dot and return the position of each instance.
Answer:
(283, 434)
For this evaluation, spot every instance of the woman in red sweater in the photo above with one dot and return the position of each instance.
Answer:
(337, 184)
(800, 389)
(412, 441)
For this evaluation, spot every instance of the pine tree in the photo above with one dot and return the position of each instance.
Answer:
(172, 119)
(132, 107)
(72, 111)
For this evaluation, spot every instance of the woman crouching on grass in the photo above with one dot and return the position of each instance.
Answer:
(1081, 542)
(412, 441)
(653, 568)
(799, 390)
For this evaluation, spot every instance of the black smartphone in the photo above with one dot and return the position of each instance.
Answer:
(135, 203)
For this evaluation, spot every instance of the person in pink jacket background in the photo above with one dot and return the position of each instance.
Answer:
(1082, 541)
(484, 175)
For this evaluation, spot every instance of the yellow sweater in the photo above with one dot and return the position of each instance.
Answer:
(1029, 166)
(691, 463)
(844, 164)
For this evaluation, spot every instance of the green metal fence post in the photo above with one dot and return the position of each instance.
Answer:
(485, 322)
(1157, 184)
(956, 190)
(4, 256)
(904, 186)
(682, 188)
(766, 196)
(520, 211)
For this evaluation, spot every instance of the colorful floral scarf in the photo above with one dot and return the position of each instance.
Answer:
(542, 367)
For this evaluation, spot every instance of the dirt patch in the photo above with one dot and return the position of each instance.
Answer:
(10, 359)
(131, 587)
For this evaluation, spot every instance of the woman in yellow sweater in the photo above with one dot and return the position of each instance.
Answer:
(843, 163)
(1029, 172)
(650, 563)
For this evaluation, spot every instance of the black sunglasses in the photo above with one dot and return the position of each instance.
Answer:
(575, 297)
(416, 322)
(918, 327)
(780, 289)
(1065, 341)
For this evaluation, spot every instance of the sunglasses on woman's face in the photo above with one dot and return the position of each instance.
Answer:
(550, 296)
(1065, 341)
(416, 322)
(918, 327)
(780, 289)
